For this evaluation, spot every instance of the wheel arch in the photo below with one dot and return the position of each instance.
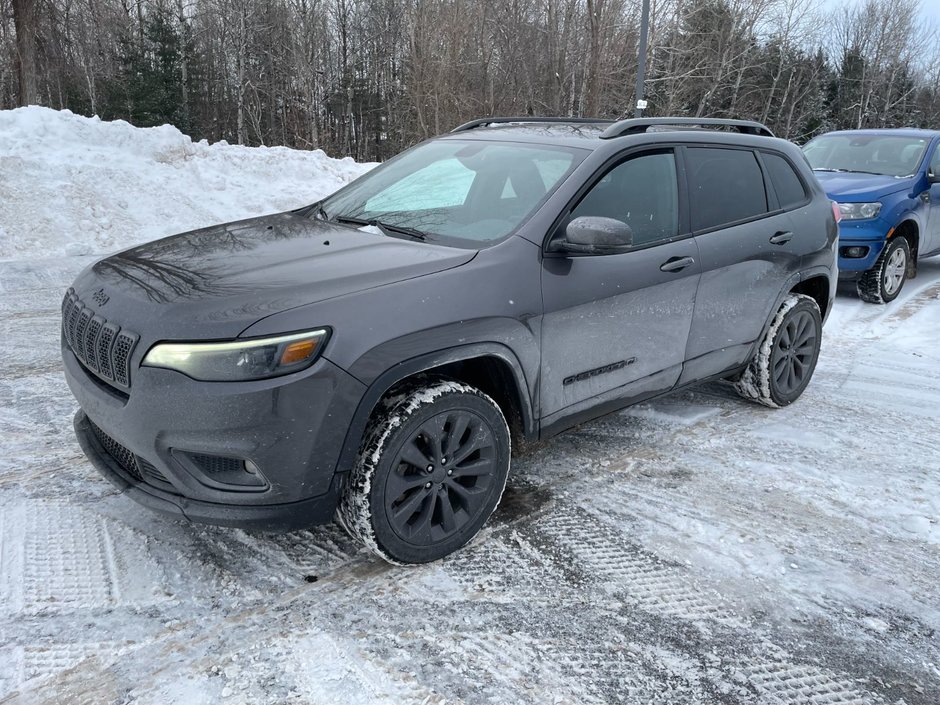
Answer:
(809, 283)
(909, 229)
(490, 367)
(816, 286)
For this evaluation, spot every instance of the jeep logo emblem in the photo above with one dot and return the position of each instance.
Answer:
(100, 297)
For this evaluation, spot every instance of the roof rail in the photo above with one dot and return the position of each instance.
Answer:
(636, 125)
(482, 122)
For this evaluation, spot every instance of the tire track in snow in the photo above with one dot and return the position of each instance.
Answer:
(666, 590)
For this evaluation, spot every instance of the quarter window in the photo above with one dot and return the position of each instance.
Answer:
(787, 184)
(725, 186)
(641, 192)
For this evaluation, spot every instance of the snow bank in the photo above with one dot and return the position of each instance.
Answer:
(74, 185)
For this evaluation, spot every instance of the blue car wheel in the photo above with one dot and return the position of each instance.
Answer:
(883, 282)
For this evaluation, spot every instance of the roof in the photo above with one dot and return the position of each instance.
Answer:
(897, 131)
(592, 133)
(568, 134)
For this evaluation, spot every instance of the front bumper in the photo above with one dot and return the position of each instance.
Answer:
(265, 517)
(868, 234)
(291, 428)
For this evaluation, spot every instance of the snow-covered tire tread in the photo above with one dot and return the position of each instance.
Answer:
(870, 284)
(354, 512)
(754, 382)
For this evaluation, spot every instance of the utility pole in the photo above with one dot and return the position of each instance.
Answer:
(641, 59)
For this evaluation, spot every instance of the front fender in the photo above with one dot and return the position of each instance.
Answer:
(524, 376)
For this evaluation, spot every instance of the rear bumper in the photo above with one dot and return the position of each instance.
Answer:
(264, 517)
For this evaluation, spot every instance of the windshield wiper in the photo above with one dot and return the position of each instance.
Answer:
(321, 213)
(851, 171)
(386, 228)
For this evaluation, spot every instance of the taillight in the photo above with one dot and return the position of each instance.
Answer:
(836, 212)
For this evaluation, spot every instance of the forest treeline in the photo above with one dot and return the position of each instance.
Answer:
(368, 77)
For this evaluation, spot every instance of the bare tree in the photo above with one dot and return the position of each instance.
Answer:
(369, 77)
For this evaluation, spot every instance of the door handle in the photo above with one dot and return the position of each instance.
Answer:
(781, 237)
(674, 264)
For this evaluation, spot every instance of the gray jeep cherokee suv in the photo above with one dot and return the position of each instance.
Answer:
(377, 356)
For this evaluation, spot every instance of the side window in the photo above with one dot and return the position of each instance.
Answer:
(725, 186)
(934, 167)
(642, 192)
(787, 184)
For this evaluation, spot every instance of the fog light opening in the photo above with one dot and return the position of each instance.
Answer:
(854, 252)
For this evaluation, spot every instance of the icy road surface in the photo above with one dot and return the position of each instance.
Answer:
(698, 549)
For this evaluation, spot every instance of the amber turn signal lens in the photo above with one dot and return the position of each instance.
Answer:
(298, 351)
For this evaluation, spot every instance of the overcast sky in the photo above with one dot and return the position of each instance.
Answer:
(930, 9)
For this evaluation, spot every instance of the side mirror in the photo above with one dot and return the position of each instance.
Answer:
(933, 178)
(596, 235)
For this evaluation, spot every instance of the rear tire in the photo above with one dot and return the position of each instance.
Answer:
(785, 361)
(883, 282)
(431, 471)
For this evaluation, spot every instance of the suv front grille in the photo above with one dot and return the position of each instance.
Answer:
(132, 464)
(101, 346)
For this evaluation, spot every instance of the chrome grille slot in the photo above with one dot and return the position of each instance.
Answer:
(84, 318)
(104, 348)
(71, 320)
(123, 346)
(91, 342)
(108, 331)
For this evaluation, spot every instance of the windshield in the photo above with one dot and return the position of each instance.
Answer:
(866, 154)
(467, 191)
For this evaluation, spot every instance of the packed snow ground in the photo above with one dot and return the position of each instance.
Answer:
(699, 549)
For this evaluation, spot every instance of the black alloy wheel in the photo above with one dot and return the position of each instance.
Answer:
(441, 478)
(794, 354)
(784, 361)
(430, 473)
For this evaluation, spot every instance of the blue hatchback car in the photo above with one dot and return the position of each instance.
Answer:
(887, 186)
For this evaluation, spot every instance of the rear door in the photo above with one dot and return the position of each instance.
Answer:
(749, 245)
(616, 326)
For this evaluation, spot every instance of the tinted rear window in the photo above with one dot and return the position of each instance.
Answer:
(787, 184)
(725, 186)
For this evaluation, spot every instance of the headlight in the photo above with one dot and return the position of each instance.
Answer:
(859, 211)
(237, 360)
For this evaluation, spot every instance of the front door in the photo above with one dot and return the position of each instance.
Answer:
(931, 238)
(616, 326)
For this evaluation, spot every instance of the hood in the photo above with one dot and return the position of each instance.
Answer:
(860, 188)
(216, 281)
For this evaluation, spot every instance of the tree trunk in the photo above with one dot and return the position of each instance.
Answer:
(184, 63)
(240, 71)
(24, 22)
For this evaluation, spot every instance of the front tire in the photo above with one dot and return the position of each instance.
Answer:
(785, 361)
(431, 471)
(883, 282)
